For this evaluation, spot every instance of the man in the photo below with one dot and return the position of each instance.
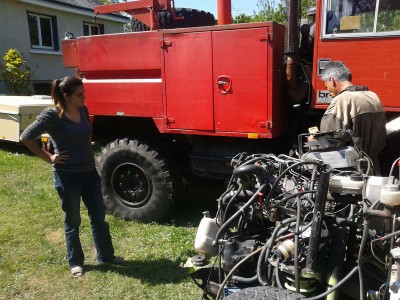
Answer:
(355, 108)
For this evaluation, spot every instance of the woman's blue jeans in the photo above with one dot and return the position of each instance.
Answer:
(71, 187)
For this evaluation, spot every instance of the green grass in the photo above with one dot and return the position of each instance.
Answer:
(32, 245)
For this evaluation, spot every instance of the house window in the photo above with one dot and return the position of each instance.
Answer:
(92, 29)
(43, 31)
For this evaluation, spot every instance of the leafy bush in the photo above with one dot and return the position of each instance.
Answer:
(16, 73)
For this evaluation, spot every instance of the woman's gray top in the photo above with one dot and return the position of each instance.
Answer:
(74, 139)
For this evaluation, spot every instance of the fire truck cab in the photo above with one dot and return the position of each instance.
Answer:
(364, 35)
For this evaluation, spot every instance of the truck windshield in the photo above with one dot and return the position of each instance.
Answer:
(343, 18)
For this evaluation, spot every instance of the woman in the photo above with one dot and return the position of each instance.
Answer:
(74, 172)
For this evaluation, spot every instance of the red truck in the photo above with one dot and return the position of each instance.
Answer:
(176, 102)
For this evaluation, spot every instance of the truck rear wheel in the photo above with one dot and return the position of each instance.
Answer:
(264, 292)
(191, 18)
(136, 181)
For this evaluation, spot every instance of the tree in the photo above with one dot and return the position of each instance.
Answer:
(127, 25)
(272, 10)
(16, 73)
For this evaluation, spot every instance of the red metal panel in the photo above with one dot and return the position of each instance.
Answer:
(70, 53)
(241, 56)
(188, 81)
(126, 6)
(124, 55)
(140, 98)
(122, 74)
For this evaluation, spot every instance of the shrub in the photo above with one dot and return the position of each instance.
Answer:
(16, 73)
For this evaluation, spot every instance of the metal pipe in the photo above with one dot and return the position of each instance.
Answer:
(224, 12)
(292, 27)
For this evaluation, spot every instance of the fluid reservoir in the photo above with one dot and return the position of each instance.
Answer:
(205, 236)
(346, 185)
(390, 194)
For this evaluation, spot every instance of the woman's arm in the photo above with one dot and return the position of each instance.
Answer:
(32, 145)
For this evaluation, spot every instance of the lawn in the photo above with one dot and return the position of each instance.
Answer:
(32, 247)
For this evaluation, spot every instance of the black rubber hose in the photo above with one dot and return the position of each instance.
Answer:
(292, 196)
(244, 280)
(225, 226)
(267, 249)
(230, 203)
(296, 247)
(276, 184)
(362, 245)
(336, 286)
(234, 269)
(278, 280)
(391, 257)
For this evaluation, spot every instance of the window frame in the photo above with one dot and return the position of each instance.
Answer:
(90, 25)
(325, 35)
(53, 31)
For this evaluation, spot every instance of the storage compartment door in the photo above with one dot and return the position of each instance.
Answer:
(240, 80)
(188, 81)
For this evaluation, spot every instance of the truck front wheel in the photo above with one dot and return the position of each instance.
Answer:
(136, 181)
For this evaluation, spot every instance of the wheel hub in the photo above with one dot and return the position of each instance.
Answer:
(131, 184)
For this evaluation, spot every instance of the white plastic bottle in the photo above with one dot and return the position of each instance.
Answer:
(390, 194)
(205, 236)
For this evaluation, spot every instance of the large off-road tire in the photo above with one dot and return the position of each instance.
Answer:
(136, 181)
(264, 292)
(191, 18)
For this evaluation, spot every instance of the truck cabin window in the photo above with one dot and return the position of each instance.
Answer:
(346, 18)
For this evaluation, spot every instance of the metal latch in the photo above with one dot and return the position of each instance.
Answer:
(166, 43)
(169, 120)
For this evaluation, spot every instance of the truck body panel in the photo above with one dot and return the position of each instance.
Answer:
(178, 78)
(188, 81)
(118, 81)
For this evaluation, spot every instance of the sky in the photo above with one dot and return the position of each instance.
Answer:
(238, 6)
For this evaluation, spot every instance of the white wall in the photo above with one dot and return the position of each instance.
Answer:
(14, 33)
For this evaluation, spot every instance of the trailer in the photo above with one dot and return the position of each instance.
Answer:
(18, 112)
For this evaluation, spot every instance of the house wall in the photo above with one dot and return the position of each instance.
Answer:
(45, 65)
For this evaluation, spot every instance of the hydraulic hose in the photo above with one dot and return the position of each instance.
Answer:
(292, 196)
(267, 249)
(393, 165)
(296, 247)
(228, 206)
(336, 286)
(218, 216)
(362, 245)
(391, 257)
(225, 226)
(278, 280)
(244, 280)
(234, 269)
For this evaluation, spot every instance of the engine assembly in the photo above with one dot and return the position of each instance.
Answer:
(297, 227)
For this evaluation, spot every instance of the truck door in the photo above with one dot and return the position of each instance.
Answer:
(188, 81)
(240, 80)
(365, 35)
